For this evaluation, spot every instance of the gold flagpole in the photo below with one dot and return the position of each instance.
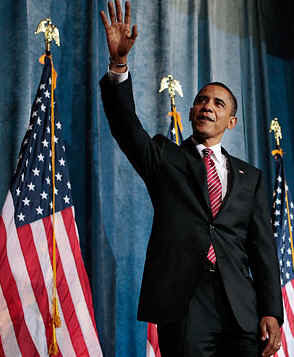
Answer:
(277, 130)
(51, 33)
(173, 86)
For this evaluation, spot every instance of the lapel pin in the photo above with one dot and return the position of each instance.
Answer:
(241, 172)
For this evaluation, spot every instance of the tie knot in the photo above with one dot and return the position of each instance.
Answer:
(207, 152)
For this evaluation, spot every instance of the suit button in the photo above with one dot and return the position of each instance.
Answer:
(211, 228)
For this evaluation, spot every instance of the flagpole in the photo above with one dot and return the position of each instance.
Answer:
(277, 131)
(173, 86)
(51, 33)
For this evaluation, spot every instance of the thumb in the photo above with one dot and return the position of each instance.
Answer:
(264, 332)
(134, 32)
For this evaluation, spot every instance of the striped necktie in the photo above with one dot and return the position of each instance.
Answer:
(214, 191)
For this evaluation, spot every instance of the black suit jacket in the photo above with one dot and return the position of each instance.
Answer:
(183, 226)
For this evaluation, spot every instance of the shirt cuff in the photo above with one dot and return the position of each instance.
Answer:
(117, 78)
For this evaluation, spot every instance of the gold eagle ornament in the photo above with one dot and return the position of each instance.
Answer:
(51, 32)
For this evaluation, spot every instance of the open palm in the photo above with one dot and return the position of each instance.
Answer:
(120, 39)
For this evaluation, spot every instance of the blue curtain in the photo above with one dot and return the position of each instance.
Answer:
(240, 42)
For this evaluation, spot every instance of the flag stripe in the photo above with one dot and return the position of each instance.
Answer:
(8, 338)
(82, 313)
(13, 300)
(289, 312)
(152, 341)
(284, 343)
(40, 239)
(65, 297)
(69, 222)
(1, 348)
(34, 270)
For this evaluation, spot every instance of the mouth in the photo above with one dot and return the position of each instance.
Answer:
(203, 118)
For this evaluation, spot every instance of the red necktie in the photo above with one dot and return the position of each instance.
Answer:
(214, 191)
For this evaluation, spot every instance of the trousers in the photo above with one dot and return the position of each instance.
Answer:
(209, 328)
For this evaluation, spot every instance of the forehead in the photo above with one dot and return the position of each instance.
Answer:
(214, 91)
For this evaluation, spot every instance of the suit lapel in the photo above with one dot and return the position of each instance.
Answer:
(231, 178)
(198, 171)
(236, 175)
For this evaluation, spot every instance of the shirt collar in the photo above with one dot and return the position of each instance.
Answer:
(217, 151)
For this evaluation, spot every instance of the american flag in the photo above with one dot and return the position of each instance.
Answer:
(26, 275)
(282, 221)
(173, 126)
(152, 349)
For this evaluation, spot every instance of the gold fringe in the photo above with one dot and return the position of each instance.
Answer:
(177, 122)
(53, 349)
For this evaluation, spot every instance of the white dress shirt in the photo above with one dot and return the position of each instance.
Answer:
(118, 77)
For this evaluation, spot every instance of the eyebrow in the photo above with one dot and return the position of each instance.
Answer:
(199, 97)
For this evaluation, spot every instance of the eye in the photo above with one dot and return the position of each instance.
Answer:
(220, 103)
(200, 99)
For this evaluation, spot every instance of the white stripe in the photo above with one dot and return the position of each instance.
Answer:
(149, 350)
(8, 338)
(30, 307)
(288, 334)
(281, 353)
(76, 291)
(290, 293)
(40, 239)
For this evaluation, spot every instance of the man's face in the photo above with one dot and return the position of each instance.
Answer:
(211, 114)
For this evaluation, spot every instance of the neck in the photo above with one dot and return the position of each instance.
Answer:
(206, 141)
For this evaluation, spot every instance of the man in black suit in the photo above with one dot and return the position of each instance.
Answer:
(211, 277)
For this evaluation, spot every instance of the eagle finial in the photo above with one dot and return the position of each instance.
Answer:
(51, 32)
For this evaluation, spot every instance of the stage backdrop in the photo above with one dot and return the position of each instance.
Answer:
(242, 43)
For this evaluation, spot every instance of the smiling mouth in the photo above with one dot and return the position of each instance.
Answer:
(205, 118)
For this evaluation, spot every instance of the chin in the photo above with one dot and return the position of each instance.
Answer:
(200, 135)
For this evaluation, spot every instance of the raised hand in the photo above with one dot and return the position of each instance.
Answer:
(120, 39)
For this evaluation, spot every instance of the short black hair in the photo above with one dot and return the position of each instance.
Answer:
(233, 98)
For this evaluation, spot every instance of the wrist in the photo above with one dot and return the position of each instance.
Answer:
(114, 68)
(118, 64)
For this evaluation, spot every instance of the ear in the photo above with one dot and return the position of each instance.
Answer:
(190, 114)
(232, 123)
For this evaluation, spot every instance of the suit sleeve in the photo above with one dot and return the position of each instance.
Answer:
(263, 257)
(143, 152)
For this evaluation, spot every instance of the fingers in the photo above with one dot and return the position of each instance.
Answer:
(104, 19)
(111, 12)
(134, 32)
(116, 16)
(274, 339)
(128, 13)
(118, 11)
(264, 334)
(272, 347)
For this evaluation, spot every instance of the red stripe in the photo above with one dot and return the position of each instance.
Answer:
(284, 343)
(216, 189)
(65, 298)
(215, 200)
(211, 254)
(212, 175)
(69, 223)
(34, 270)
(13, 301)
(289, 312)
(152, 337)
(214, 184)
(1, 349)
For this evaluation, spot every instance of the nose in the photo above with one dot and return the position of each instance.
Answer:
(206, 107)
